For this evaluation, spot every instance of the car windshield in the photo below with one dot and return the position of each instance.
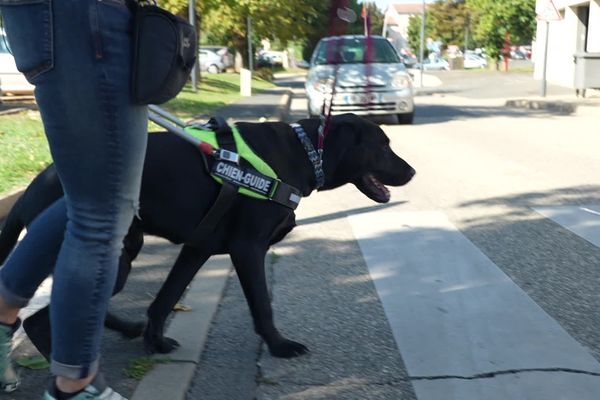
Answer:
(354, 50)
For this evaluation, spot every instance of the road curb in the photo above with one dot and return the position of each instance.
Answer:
(559, 107)
(171, 380)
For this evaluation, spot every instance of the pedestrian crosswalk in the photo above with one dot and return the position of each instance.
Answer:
(464, 329)
(584, 221)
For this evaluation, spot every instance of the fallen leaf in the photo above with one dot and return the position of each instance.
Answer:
(181, 307)
(33, 362)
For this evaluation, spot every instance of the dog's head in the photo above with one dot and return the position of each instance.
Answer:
(357, 151)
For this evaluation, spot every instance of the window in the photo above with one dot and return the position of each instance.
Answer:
(354, 50)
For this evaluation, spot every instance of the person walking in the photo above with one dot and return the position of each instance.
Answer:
(78, 55)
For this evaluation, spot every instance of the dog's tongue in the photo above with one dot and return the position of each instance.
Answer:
(374, 189)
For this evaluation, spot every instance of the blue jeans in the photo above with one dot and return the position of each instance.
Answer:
(77, 53)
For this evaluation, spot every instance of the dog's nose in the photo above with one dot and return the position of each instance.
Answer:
(412, 172)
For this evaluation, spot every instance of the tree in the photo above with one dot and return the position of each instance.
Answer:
(492, 19)
(302, 21)
(414, 32)
(271, 19)
(448, 21)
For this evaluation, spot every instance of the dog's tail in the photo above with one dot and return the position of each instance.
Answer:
(13, 225)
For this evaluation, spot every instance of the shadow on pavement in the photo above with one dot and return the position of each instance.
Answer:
(436, 114)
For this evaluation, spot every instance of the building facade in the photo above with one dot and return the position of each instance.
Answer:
(575, 35)
(396, 21)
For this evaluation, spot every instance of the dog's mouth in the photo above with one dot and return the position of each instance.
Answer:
(373, 188)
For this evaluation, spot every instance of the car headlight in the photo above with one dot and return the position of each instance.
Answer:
(323, 85)
(402, 81)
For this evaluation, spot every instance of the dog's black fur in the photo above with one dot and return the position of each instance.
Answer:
(177, 192)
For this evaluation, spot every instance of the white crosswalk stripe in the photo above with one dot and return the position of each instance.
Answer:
(465, 330)
(584, 221)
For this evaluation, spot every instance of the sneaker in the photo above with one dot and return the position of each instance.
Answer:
(9, 381)
(97, 390)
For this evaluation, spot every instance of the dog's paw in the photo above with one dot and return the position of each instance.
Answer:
(287, 349)
(162, 345)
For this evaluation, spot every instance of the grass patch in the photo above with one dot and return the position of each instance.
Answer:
(215, 91)
(141, 366)
(24, 149)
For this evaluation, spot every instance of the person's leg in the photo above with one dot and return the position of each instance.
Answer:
(97, 139)
(98, 143)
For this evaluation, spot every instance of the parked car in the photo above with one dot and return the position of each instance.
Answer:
(435, 64)
(474, 61)
(11, 80)
(409, 61)
(270, 58)
(227, 58)
(367, 82)
(211, 61)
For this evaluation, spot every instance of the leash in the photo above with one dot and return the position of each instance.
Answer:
(175, 125)
(340, 16)
(314, 156)
(339, 12)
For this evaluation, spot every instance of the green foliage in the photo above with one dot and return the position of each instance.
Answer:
(223, 22)
(23, 148)
(493, 19)
(414, 33)
(448, 20)
(141, 366)
(486, 20)
(33, 362)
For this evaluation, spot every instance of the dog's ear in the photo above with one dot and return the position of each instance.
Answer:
(347, 126)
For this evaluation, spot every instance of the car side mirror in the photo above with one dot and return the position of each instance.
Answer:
(302, 64)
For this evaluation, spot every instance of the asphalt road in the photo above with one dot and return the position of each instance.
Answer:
(501, 215)
(480, 275)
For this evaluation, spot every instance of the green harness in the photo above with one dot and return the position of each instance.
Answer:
(256, 179)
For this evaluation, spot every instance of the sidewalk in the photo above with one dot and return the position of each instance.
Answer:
(123, 359)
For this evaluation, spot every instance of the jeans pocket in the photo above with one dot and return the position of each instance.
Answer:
(28, 25)
(108, 18)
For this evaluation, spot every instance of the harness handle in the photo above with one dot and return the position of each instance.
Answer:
(175, 125)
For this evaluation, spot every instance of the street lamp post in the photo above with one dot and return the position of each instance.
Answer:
(422, 47)
(192, 19)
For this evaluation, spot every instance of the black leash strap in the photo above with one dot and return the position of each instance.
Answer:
(315, 157)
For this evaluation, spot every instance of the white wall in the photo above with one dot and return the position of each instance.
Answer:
(593, 44)
(562, 43)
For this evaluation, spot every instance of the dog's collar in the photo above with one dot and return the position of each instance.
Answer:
(315, 157)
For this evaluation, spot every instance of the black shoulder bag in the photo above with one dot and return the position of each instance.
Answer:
(165, 50)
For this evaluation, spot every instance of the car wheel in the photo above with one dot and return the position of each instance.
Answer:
(406, 119)
(213, 69)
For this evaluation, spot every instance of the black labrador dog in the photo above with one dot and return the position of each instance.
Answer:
(177, 192)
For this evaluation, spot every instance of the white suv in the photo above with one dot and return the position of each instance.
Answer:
(369, 75)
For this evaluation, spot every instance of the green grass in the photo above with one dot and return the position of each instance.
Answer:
(24, 150)
(141, 366)
(215, 91)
